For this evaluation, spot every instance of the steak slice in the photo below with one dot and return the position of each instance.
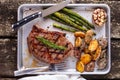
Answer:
(45, 53)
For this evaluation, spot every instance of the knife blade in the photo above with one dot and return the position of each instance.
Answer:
(30, 70)
(42, 13)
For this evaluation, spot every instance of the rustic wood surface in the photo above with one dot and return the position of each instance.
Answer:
(8, 38)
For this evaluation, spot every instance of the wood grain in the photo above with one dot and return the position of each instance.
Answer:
(8, 79)
(8, 57)
(8, 38)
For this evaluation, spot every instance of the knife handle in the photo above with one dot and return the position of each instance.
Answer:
(26, 20)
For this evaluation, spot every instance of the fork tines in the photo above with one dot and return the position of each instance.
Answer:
(58, 66)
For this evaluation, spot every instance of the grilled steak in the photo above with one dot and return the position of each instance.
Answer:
(45, 53)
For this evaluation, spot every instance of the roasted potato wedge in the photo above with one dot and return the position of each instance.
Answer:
(90, 66)
(86, 58)
(103, 53)
(103, 42)
(77, 52)
(97, 53)
(89, 36)
(93, 45)
(86, 51)
(80, 66)
(102, 63)
(79, 34)
(78, 42)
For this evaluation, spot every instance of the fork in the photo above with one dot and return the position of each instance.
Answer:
(51, 67)
(30, 70)
(58, 66)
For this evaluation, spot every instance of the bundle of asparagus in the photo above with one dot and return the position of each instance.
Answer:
(69, 17)
(78, 16)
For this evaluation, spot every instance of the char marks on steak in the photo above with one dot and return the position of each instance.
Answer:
(45, 53)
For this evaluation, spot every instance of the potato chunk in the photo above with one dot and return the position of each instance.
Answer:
(80, 66)
(79, 34)
(93, 45)
(90, 66)
(97, 53)
(78, 42)
(88, 36)
(86, 58)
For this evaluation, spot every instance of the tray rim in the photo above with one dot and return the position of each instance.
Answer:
(19, 41)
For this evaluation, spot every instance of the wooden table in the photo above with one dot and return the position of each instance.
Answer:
(8, 38)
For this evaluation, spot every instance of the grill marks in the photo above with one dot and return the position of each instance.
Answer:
(45, 53)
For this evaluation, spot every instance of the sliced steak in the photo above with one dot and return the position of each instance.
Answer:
(45, 53)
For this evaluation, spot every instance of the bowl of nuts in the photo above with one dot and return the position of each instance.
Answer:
(99, 17)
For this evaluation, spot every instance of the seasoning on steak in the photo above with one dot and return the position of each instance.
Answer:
(45, 53)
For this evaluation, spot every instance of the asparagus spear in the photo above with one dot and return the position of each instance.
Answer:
(50, 44)
(79, 20)
(68, 21)
(63, 27)
(72, 19)
(77, 15)
(56, 19)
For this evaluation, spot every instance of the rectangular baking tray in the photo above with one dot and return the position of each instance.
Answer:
(24, 60)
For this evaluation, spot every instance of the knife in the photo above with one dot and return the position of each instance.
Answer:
(30, 70)
(42, 13)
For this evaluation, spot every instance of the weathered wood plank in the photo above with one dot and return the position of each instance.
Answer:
(8, 14)
(8, 79)
(8, 58)
(8, 52)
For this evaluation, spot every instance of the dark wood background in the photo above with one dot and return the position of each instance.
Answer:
(8, 38)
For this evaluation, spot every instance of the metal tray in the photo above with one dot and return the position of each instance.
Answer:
(25, 60)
